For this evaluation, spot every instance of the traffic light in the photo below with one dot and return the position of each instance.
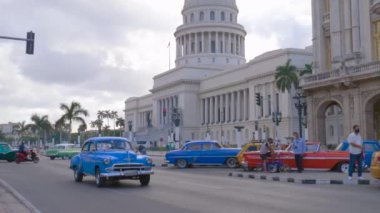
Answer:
(30, 43)
(258, 99)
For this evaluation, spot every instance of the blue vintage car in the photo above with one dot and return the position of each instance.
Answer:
(111, 158)
(203, 153)
(369, 146)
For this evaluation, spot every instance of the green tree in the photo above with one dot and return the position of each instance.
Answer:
(98, 123)
(21, 129)
(120, 122)
(307, 70)
(286, 77)
(40, 125)
(72, 113)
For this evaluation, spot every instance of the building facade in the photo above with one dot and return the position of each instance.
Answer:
(346, 78)
(212, 89)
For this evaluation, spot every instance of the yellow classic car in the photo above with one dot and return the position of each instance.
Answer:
(375, 165)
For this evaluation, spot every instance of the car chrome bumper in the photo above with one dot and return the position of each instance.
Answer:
(130, 173)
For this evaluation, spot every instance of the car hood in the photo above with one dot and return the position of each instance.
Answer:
(119, 155)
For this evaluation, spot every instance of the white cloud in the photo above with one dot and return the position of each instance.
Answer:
(102, 52)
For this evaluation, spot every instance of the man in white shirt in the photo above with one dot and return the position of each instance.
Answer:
(356, 151)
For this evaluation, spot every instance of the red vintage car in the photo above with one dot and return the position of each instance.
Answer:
(313, 159)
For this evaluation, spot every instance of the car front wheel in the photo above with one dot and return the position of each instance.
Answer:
(52, 157)
(181, 163)
(144, 180)
(98, 179)
(231, 162)
(78, 176)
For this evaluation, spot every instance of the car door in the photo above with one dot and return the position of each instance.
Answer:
(193, 153)
(212, 154)
(84, 157)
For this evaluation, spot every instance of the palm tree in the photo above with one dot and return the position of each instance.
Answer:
(73, 113)
(120, 122)
(286, 77)
(98, 123)
(114, 116)
(81, 128)
(21, 129)
(308, 70)
(40, 125)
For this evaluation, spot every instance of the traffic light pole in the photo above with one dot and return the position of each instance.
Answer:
(29, 41)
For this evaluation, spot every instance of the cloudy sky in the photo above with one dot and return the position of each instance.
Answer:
(101, 52)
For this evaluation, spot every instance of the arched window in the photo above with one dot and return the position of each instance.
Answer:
(212, 15)
(192, 17)
(201, 16)
(222, 16)
(231, 17)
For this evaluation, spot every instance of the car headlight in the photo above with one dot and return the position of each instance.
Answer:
(149, 160)
(107, 161)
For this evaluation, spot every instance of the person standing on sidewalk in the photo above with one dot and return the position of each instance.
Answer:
(356, 151)
(299, 148)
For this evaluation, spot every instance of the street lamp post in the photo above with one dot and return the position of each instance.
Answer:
(300, 105)
(276, 118)
(130, 130)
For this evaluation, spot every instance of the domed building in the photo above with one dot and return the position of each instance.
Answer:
(211, 90)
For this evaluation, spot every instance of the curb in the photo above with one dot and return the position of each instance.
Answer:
(19, 197)
(305, 181)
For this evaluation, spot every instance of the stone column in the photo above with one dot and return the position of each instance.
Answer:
(355, 25)
(217, 48)
(335, 33)
(228, 117)
(209, 42)
(196, 45)
(216, 109)
(203, 42)
(347, 27)
(233, 101)
(202, 112)
(245, 104)
(189, 43)
(238, 111)
(207, 106)
(211, 110)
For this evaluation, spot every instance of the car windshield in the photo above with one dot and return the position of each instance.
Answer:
(113, 145)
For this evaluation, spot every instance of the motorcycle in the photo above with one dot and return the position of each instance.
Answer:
(27, 156)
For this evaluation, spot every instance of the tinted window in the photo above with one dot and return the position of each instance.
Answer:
(194, 147)
(92, 147)
(215, 146)
(369, 148)
(85, 147)
(207, 146)
(112, 145)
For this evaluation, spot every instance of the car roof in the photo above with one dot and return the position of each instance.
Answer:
(199, 142)
(64, 144)
(100, 139)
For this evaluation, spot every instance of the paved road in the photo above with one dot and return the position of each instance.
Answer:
(50, 187)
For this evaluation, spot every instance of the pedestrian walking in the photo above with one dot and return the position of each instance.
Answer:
(299, 148)
(266, 151)
(356, 152)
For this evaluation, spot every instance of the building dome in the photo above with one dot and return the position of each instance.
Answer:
(189, 4)
(210, 34)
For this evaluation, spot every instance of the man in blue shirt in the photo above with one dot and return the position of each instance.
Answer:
(299, 147)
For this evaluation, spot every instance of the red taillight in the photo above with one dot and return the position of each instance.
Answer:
(378, 160)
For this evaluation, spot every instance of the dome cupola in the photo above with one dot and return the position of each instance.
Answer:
(210, 34)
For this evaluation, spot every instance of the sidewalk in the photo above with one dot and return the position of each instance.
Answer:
(12, 202)
(307, 177)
